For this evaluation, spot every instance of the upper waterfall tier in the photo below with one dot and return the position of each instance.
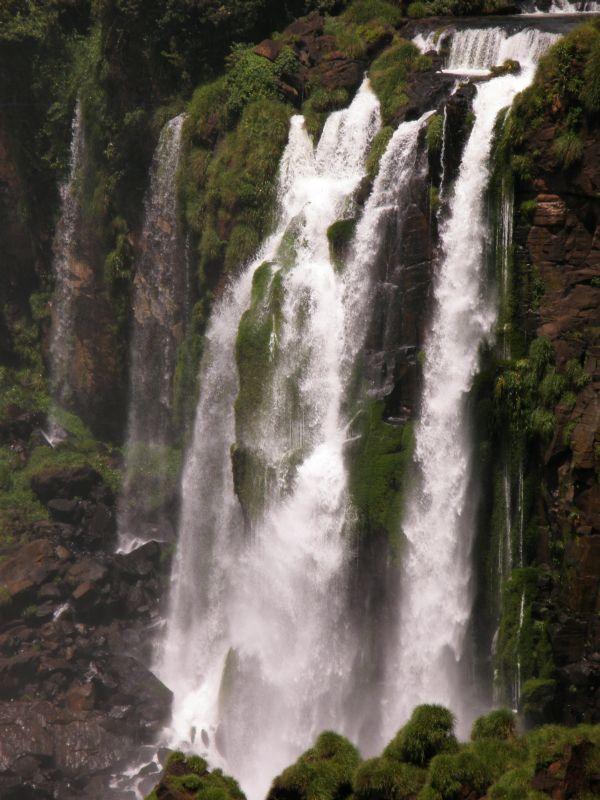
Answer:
(477, 50)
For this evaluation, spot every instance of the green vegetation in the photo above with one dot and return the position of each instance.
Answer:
(435, 133)
(322, 773)
(565, 92)
(378, 148)
(429, 731)
(377, 463)
(496, 763)
(389, 73)
(457, 8)
(364, 27)
(185, 775)
(499, 724)
(340, 235)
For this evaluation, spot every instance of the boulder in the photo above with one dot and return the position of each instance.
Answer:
(65, 483)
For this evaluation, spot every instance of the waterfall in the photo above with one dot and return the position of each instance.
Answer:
(566, 7)
(159, 301)
(474, 51)
(436, 594)
(64, 267)
(256, 648)
(387, 199)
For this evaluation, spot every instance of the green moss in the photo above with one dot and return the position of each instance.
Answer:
(537, 696)
(322, 773)
(340, 236)
(389, 73)
(435, 133)
(378, 461)
(234, 202)
(429, 731)
(521, 637)
(256, 354)
(378, 148)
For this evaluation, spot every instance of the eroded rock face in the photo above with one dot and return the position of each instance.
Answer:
(563, 247)
(76, 696)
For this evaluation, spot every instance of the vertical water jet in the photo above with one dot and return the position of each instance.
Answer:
(159, 306)
(65, 271)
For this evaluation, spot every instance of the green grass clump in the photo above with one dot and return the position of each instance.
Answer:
(320, 104)
(385, 779)
(389, 73)
(499, 724)
(568, 148)
(429, 731)
(188, 776)
(322, 773)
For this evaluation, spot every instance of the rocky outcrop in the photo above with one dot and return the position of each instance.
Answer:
(76, 696)
(562, 247)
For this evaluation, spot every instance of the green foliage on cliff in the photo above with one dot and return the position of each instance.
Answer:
(364, 27)
(377, 463)
(564, 93)
(389, 73)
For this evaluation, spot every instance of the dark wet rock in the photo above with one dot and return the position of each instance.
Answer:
(65, 483)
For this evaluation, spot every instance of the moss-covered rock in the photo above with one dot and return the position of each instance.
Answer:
(339, 236)
(377, 463)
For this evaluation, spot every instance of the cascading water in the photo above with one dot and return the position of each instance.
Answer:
(436, 590)
(387, 200)
(474, 51)
(256, 648)
(64, 270)
(159, 299)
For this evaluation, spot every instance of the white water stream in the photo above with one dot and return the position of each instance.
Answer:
(159, 297)
(436, 596)
(65, 270)
(256, 637)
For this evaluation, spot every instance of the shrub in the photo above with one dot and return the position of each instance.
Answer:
(499, 724)
(576, 375)
(429, 731)
(362, 11)
(455, 775)
(419, 10)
